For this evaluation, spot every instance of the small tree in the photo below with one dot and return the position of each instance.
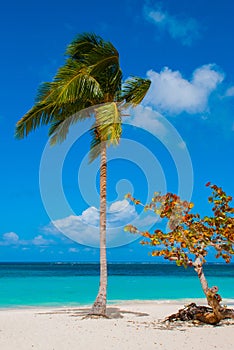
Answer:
(190, 236)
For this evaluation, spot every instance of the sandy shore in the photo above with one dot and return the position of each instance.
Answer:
(132, 326)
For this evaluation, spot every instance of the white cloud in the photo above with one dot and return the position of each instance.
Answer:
(118, 206)
(119, 213)
(145, 117)
(83, 231)
(172, 93)
(90, 216)
(41, 241)
(230, 92)
(12, 239)
(184, 29)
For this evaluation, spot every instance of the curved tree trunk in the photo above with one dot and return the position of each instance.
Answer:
(199, 270)
(212, 297)
(212, 314)
(99, 306)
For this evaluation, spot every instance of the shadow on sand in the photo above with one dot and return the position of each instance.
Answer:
(112, 312)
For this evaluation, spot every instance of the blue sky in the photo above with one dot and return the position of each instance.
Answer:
(177, 140)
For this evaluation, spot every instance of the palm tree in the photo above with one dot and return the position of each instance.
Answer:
(90, 77)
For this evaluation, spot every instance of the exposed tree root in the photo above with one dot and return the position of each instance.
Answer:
(94, 316)
(200, 313)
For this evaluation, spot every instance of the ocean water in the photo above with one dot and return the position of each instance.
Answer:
(68, 284)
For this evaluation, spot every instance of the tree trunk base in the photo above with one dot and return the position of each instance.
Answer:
(204, 314)
(99, 306)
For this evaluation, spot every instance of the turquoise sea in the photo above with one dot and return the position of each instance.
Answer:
(66, 284)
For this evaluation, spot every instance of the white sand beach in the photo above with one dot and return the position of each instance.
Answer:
(131, 326)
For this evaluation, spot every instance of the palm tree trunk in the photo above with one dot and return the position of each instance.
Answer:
(99, 306)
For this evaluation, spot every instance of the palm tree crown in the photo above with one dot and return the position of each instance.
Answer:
(90, 76)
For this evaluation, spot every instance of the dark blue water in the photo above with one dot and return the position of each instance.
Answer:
(35, 284)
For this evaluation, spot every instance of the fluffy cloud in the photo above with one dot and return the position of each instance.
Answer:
(41, 241)
(172, 93)
(184, 29)
(12, 239)
(145, 117)
(9, 238)
(120, 213)
(84, 229)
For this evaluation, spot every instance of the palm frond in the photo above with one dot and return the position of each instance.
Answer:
(90, 76)
(89, 49)
(72, 90)
(39, 114)
(44, 91)
(101, 57)
(95, 147)
(82, 45)
(107, 127)
(134, 90)
(107, 72)
(72, 82)
(108, 122)
(60, 127)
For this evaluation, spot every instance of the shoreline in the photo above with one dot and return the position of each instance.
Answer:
(136, 325)
(179, 302)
